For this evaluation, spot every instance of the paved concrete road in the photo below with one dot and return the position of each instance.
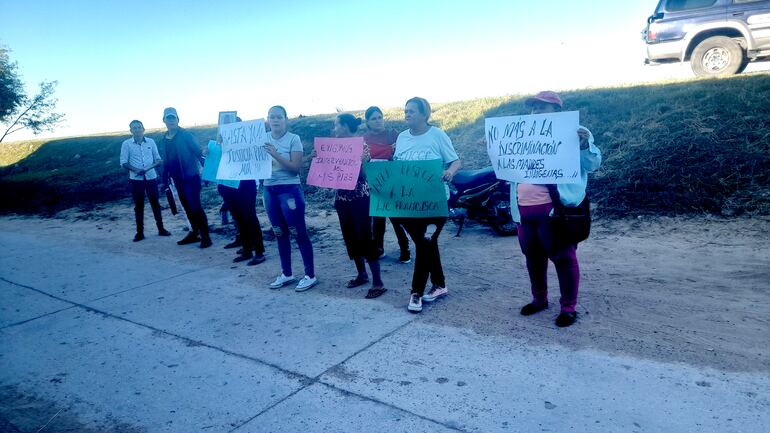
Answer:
(182, 343)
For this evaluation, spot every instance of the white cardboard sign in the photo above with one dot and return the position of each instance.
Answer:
(536, 148)
(243, 151)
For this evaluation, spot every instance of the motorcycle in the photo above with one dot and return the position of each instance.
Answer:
(481, 196)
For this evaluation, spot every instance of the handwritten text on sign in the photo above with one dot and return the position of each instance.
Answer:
(535, 149)
(243, 151)
(412, 189)
(337, 162)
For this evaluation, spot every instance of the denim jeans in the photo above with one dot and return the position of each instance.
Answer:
(285, 205)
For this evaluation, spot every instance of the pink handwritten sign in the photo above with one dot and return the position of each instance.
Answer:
(337, 162)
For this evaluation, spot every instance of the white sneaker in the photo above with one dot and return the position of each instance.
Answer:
(281, 281)
(415, 303)
(306, 283)
(435, 293)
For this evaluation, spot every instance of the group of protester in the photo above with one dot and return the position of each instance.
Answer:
(363, 235)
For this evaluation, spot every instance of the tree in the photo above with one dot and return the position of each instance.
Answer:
(11, 89)
(17, 110)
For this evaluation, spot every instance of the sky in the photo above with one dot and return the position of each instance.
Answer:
(116, 61)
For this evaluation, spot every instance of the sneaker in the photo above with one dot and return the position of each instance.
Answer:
(382, 253)
(281, 281)
(306, 283)
(164, 232)
(138, 237)
(206, 242)
(405, 257)
(259, 258)
(415, 303)
(191, 238)
(435, 293)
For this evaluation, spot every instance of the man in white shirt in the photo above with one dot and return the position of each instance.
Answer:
(139, 155)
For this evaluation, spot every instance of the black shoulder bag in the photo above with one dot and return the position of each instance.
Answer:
(569, 224)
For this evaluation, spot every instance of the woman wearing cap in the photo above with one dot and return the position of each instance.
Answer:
(353, 211)
(285, 202)
(532, 214)
(381, 142)
(422, 141)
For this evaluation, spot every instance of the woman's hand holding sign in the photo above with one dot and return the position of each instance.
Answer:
(583, 134)
(449, 173)
(269, 148)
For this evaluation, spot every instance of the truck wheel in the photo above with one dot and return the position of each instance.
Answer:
(717, 56)
(744, 65)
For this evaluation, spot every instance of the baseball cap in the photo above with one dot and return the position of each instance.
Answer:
(170, 111)
(545, 96)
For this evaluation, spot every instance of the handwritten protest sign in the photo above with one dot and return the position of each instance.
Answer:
(411, 189)
(211, 166)
(243, 151)
(337, 162)
(536, 149)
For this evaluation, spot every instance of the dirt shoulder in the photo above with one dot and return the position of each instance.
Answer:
(694, 290)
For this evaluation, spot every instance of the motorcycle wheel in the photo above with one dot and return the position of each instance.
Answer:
(503, 225)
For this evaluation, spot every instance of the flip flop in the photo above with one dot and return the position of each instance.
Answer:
(355, 282)
(375, 292)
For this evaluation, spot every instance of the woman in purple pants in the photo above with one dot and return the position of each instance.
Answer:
(535, 235)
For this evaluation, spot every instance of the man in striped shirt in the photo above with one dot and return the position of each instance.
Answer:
(139, 155)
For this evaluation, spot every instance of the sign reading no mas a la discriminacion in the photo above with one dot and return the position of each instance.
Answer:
(535, 149)
(337, 163)
(412, 189)
(243, 151)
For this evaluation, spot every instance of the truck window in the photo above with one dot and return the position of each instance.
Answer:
(686, 5)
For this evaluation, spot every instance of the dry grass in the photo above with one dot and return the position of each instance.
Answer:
(697, 146)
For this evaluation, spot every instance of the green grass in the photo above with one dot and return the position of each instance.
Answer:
(696, 146)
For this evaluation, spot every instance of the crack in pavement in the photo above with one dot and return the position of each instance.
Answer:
(305, 380)
(317, 380)
(95, 299)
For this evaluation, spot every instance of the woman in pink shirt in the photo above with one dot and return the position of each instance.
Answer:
(538, 242)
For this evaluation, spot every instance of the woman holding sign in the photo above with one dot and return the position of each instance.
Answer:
(353, 211)
(536, 237)
(284, 201)
(420, 142)
(382, 142)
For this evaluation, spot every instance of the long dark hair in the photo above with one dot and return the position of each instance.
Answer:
(371, 110)
(349, 120)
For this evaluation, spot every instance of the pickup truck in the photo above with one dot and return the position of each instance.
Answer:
(717, 37)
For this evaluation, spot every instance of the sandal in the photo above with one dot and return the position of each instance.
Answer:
(375, 292)
(355, 282)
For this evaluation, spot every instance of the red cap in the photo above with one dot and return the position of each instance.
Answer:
(546, 96)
